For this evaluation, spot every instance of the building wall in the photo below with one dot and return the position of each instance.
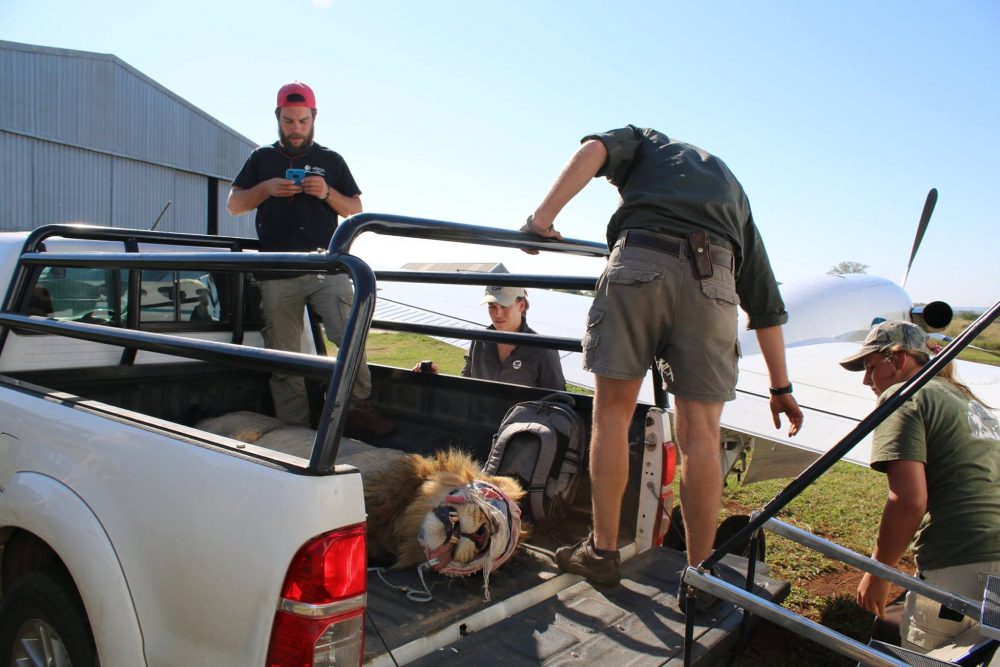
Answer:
(84, 137)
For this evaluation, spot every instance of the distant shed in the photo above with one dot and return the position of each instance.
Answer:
(459, 267)
(85, 137)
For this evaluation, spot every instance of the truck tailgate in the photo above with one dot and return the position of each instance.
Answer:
(637, 623)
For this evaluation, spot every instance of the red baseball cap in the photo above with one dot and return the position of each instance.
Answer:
(296, 94)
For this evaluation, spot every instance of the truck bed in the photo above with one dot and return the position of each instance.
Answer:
(433, 413)
(637, 623)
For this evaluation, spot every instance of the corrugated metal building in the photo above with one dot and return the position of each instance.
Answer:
(84, 137)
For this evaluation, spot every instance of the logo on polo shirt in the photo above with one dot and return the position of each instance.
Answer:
(517, 365)
(315, 171)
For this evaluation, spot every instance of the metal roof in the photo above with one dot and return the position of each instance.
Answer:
(482, 267)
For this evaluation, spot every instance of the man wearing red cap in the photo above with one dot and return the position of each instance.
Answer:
(301, 217)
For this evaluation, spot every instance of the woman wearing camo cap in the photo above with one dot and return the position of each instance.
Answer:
(941, 453)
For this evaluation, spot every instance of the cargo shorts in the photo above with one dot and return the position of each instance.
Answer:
(650, 307)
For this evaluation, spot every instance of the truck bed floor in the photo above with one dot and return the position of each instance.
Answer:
(637, 623)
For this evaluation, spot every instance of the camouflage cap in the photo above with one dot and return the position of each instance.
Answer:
(885, 335)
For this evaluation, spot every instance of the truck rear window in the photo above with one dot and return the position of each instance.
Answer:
(79, 294)
(100, 296)
(179, 296)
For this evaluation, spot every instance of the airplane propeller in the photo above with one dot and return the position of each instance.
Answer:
(936, 314)
(925, 219)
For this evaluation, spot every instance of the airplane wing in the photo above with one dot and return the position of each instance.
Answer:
(833, 400)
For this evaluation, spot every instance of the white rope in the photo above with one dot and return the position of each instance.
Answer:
(411, 594)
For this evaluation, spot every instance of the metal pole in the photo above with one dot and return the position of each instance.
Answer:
(160, 216)
(790, 621)
(959, 603)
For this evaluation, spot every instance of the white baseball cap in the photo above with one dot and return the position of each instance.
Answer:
(505, 296)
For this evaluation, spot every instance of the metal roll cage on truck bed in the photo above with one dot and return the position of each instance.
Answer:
(336, 260)
(236, 257)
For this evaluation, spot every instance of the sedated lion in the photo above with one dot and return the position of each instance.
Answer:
(440, 511)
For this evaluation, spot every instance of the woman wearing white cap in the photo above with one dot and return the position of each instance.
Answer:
(505, 362)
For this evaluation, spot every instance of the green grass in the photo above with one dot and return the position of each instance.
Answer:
(843, 506)
(406, 350)
(979, 356)
(989, 339)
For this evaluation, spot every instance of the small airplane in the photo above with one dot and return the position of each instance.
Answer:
(828, 317)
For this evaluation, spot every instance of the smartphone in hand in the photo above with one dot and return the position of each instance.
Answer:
(295, 175)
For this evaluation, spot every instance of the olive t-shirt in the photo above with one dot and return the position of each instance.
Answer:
(958, 440)
(674, 188)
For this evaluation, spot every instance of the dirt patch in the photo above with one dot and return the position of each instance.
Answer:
(833, 584)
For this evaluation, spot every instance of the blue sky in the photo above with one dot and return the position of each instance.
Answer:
(837, 117)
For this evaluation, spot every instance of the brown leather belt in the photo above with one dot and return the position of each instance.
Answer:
(672, 245)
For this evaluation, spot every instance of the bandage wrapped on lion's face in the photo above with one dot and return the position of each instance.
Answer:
(471, 520)
(404, 496)
(410, 498)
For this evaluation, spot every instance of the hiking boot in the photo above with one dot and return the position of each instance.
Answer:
(581, 558)
(703, 600)
(363, 416)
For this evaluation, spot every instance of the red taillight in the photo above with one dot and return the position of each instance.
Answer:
(669, 466)
(331, 567)
(320, 617)
(662, 522)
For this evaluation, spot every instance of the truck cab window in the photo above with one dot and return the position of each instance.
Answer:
(78, 294)
(183, 300)
(179, 296)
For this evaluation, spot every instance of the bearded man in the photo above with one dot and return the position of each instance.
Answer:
(298, 211)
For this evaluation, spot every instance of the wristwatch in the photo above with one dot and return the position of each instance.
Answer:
(778, 391)
(329, 191)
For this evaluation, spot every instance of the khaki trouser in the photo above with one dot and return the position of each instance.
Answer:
(921, 629)
(283, 302)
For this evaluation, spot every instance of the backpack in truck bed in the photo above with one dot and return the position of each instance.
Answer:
(541, 444)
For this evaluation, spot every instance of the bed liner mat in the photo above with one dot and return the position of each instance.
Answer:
(637, 623)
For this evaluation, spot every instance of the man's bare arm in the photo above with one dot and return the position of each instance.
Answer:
(772, 347)
(344, 206)
(582, 167)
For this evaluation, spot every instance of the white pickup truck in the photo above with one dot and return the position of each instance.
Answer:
(130, 537)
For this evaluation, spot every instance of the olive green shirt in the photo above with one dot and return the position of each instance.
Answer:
(958, 441)
(674, 188)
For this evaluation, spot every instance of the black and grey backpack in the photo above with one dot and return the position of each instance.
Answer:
(541, 444)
